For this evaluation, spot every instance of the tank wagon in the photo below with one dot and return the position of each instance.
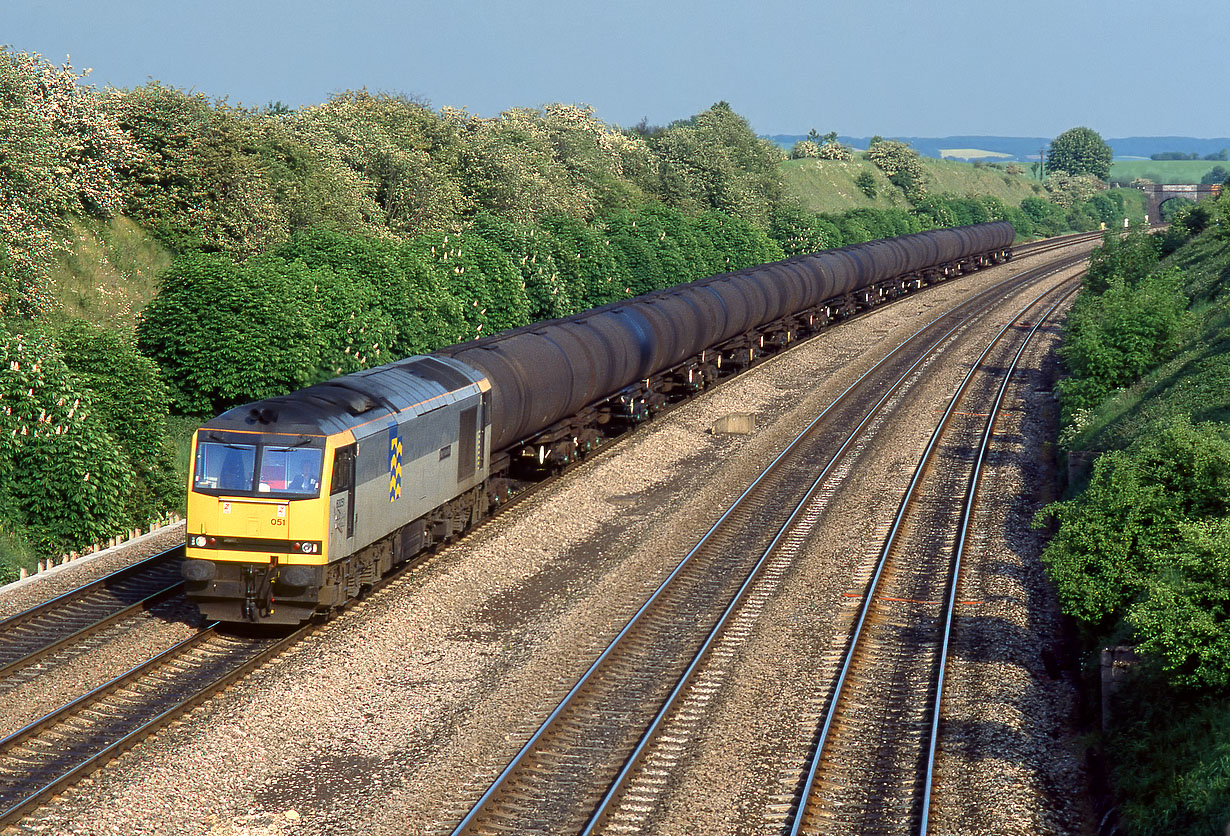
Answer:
(299, 503)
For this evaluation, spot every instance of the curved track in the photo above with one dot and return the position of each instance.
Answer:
(47, 755)
(563, 779)
(873, 762)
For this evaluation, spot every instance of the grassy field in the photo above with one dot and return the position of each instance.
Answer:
(1164, 171)
(828, 185)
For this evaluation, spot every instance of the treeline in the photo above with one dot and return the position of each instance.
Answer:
(1141, 553)
(1180, 155)
(313, 242)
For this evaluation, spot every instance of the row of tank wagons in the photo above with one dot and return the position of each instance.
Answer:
(299, 503)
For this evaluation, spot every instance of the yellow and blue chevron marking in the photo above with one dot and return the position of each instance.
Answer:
(394, 465)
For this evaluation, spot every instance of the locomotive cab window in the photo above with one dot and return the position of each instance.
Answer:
(224, 467)
(293, 470)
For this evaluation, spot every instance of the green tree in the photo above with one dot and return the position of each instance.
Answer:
(866, 183)
(1147, 543)
(1216, 174)
(737, 244)
(934, 212)
(1123, 259)
(483, 279)
(402, 160)
(131, 399)
(1047, 218)
(715, 161)
(798, 231)
(586, 261)
(805, 149)
(61, 154)
(1113, 338)
(1067, 190)
(63, 479)
(200, 182)
(547, 291)
(1079, 151)
(902, 165)
(270, 346)
(406, 292)
(660, 248)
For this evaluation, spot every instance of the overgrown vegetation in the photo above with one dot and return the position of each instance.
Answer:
(1142, 551)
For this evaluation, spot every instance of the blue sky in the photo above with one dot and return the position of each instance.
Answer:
(894, 67)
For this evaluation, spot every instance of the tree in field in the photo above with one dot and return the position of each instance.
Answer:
(1079, 151)
(715, 161)
(1217, 174)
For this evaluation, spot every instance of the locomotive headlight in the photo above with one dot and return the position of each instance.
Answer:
(308, 548)
(199, 541)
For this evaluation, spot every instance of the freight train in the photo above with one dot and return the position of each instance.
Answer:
(299, 503)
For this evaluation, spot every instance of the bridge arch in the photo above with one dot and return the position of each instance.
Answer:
(1160, 193)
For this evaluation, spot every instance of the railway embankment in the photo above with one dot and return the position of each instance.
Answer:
(1140, 555)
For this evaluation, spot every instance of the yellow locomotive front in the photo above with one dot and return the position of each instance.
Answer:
(257, 536)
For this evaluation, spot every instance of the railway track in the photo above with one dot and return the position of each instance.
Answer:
(569, 773)
(873, 763)
(66, 623)
(50, 754)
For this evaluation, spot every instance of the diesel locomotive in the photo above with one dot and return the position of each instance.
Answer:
(299, 503)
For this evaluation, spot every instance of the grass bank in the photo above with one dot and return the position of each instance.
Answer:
(1158, 524)
(829, 185)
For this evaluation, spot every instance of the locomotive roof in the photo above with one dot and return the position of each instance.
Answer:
(416, 384)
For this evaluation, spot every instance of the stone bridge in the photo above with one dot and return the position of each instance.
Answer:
(1160, 193)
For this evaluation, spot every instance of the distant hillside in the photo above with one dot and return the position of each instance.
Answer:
(1025, 148)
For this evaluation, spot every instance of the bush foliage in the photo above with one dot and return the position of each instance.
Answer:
(1142, 552)
(1148, 542)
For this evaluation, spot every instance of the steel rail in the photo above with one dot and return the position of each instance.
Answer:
(890, 541)
(962, 536)
(781, 534)
(96, 752)
(480, 806)
(65, 597)
(48, 628)
(64, 642)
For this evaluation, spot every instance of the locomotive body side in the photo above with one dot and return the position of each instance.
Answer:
(298, 503)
